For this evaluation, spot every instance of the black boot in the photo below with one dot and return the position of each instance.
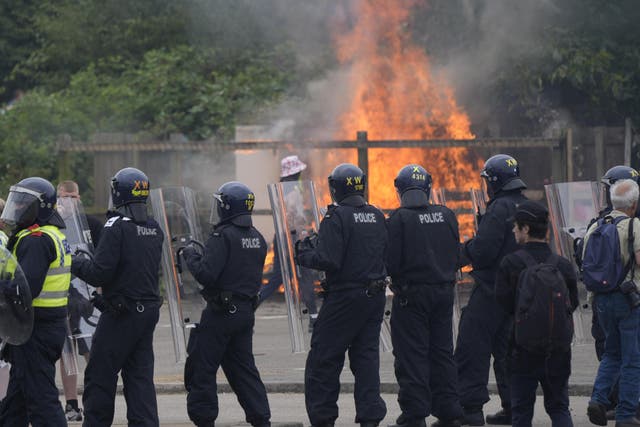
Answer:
(404, 421)
(502, 418)
(447, 423)
(473, 416)
(597, 413)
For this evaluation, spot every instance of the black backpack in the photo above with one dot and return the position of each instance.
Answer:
(543, 320)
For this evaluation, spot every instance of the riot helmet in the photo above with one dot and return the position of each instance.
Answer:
(129, 192)
(611, 176)
(31, 201)
(346, 180)
(233, 202)
(501, 173)
(413, 185)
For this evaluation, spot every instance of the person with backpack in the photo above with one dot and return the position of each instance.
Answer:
(539, 289)
(611, 250)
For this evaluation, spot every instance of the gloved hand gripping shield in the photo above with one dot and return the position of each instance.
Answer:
(572, 206)
(296, 217)
(83, 316)
(175, 209)
(16, 312)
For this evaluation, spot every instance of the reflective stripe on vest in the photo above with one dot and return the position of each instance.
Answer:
(55, 289)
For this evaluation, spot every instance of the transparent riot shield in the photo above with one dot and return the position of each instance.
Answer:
(295, 216)
(83, 316)
(175, 209)
(572, 205)
(16, 312)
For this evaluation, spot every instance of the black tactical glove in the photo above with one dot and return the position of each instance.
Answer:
(307, 244)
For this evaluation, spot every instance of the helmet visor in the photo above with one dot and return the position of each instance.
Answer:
(486, 188)
(216, 202)
(21, 208)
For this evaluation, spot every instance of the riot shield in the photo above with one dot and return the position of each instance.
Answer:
(295, 216)
(175, 209)
(572, 205)
(16, 312)
(83, 316)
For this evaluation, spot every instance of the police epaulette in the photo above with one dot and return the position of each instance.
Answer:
(111, 221)
(216, 234)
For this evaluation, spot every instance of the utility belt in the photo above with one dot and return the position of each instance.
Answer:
(371, 288)
(120, 304)
(227, 300)
(403, 290)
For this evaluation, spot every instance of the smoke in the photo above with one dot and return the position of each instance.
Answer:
(495, 35)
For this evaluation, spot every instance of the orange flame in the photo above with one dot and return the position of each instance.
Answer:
(393, 94)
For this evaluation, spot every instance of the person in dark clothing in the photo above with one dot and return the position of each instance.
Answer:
(44, 255)
(351, 248)
(126, 266)
(230, 269)
(529, 368)
(484, 327)
(422, 263)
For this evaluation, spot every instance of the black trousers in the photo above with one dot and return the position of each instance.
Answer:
(32, 395)
(349, 321)
(423, 348)
(527, 370)
(484, 331)
(122, 343)
(224, 339)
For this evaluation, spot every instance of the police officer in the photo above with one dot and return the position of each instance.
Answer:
(351, 248)
(125, 265)
(44, 255)
(484, 326)
(230, 269)
(422, 263)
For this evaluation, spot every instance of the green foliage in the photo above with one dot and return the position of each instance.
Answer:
(183, 90)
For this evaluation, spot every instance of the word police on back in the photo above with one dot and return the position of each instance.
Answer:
(253, 243)
(429, 218)
(144, 231)
(361, 217)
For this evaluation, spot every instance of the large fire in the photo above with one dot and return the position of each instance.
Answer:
(394, 95)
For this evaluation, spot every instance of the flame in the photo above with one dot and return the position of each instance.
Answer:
(394, 95)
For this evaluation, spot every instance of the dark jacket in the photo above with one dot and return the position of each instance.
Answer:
(494, 238)
(512, 265)
(126, 261)
(352, 245)
(423, 245)
(233, 260)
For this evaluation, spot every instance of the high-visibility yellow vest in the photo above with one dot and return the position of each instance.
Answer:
(55, 290)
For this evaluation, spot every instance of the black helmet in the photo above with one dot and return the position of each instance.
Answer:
(619, 172)
(31, 201)
(129, 185)
(502, 173)
(346, 180)
(234, 202)
(413, 177)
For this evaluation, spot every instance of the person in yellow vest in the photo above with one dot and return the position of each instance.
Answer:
(45, 257)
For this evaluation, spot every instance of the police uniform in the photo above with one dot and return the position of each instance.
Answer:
(126, 266)
(485, 328)
(423, 259)
(42, 251)
(351, 249)
(32, 395)
(231, 272)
